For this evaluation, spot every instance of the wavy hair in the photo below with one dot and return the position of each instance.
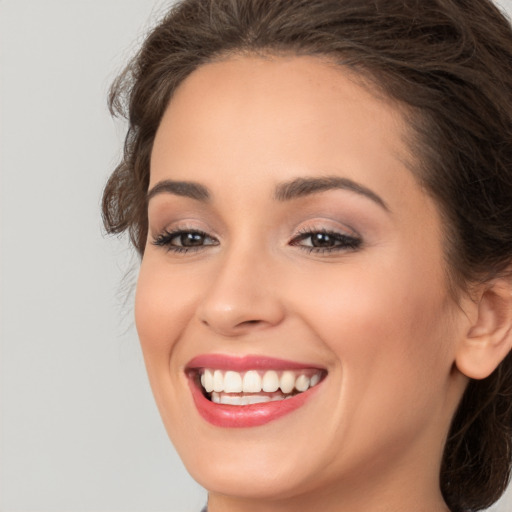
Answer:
(449, 64)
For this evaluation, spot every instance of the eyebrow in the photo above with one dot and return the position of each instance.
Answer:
(180, 188)
(300, 187)
(296, 188)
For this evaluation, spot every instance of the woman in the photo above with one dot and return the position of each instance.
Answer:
(321, 194)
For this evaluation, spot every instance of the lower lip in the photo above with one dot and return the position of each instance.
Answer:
(242, 416)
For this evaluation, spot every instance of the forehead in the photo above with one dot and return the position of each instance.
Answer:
(244, 126)
(244, 120)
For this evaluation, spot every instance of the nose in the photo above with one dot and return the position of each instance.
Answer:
(243, 296)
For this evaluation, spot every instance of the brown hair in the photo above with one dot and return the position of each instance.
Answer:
(449, 62)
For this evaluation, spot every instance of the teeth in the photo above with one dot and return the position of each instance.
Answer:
(232, 382)
(257, 399)
(302, 383)
(270, 381)
(207, 381)
(253, 381)
(287, 382)
(223, 398)
(218, 381)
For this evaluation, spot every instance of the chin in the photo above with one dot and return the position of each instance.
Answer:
(265, 479)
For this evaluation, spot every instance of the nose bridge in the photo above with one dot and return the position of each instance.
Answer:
(242, 295)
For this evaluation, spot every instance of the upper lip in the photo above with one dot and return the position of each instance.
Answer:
(245, 363)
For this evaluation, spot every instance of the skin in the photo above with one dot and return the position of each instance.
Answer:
(379, 317)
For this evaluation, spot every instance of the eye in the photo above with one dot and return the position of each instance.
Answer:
(325, 241)
(182, 240)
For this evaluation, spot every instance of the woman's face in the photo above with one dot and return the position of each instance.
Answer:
(289, 245)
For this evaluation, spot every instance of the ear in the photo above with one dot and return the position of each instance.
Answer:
(489, 337)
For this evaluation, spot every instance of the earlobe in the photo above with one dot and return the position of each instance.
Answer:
(489, 337)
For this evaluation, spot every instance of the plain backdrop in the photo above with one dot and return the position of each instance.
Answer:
(79, 429)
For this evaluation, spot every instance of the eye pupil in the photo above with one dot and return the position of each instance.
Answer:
(191, 239)
(322, 240)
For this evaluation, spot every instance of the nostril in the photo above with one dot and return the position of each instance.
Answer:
(243, 322)
(232, 318)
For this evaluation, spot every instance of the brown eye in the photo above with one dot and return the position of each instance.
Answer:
(190, 239)
(322, 240)
(326, 241)
(183, 240)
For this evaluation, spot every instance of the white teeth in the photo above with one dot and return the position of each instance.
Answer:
(207, 381)
(230, 400)
(270, 381)
(302, 383)
(287, 382)
(256, 399)
(218, 381)
(254, 381)
(251, 382)
(232, 382)
(222, 398)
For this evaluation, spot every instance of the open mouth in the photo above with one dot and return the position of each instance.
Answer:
(255, 386)
(249, 391)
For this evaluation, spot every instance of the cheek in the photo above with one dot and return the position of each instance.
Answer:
(165, 301)
(390, 336)
(388, 323)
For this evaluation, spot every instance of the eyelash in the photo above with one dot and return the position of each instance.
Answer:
(344, 242)
(165, 240)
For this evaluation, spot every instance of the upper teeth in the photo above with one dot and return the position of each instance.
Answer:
(254, 381)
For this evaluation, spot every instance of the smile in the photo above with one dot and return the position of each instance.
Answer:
(255, 386)
(249, 391)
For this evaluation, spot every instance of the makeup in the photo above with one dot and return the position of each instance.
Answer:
(237, 392)
(349, 290)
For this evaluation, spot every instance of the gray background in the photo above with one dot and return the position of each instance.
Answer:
(79, 430)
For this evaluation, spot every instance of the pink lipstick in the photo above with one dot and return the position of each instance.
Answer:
(249, 391)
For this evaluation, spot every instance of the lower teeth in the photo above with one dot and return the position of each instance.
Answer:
(247, 399)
